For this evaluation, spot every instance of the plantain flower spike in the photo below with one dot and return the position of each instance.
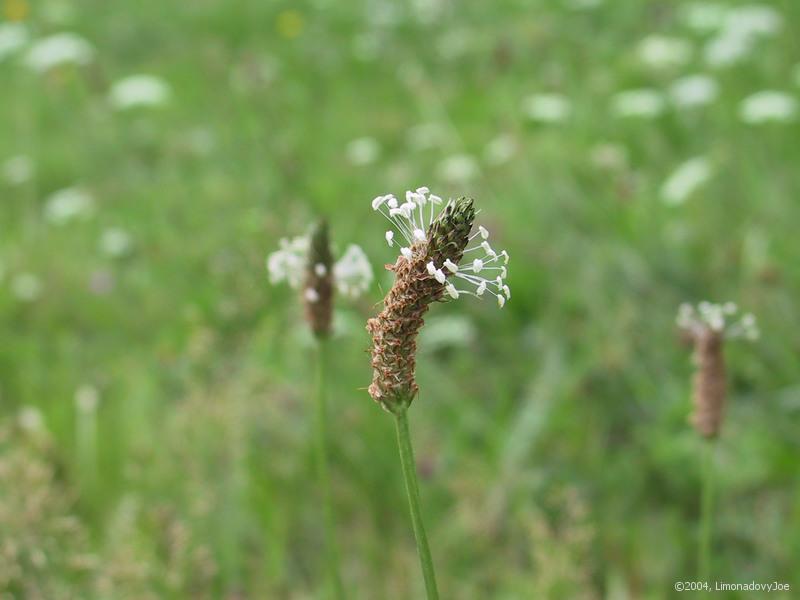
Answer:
(318, 290)
(437, 254)
(306, 264)
(707, 327)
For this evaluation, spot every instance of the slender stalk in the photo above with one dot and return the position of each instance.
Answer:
(412, 489)
(321, 443)
(86, 435)
(707, 500)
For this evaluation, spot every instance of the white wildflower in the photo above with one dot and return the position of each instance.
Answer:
(137, 91)
(13, 36)
(610, 156)
(426, 136)
(289, 263)
(659, 51)
(59, 49)
(481, 270)
(500, 150)
(66, 205)
(352, 273)
(768, 106)
(363, 151)
(26, 287)
(694, 90)
(704, 16)
(17, 169)
(753, 19)
(738, 33)
(642, 103)
(459, 168)
(547, 108)
(87, 398)
(115, 242)
(30, 419)
(720, 318)
(685, 180)
(727, 48)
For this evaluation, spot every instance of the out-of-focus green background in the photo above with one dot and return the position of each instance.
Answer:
(154, 388)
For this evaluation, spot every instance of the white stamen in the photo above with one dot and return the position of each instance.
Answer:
(403, 216)
(311, 295)
(320, 269)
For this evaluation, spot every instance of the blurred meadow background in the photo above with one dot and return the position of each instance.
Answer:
(155, 389)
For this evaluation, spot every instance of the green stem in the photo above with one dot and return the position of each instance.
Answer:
(321, 414)
(86, 434)
(707, 501)
(412, 489)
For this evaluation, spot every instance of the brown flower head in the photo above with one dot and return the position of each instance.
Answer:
(421, 278)
(318, 288)
(306, 264)
(707, 329)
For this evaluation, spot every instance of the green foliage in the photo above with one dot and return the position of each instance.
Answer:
(552, 442)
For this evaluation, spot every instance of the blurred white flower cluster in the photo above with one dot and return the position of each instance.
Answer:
(352, 273)
(685, 180)
(659, 51)
(638, 103)
(17, 169)
(693, 91)
(736, 29)
(13, 36)
(766, 106)
(59, 49)
(67, 204)
(547, 108)
(720, 318)
(139, 91)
